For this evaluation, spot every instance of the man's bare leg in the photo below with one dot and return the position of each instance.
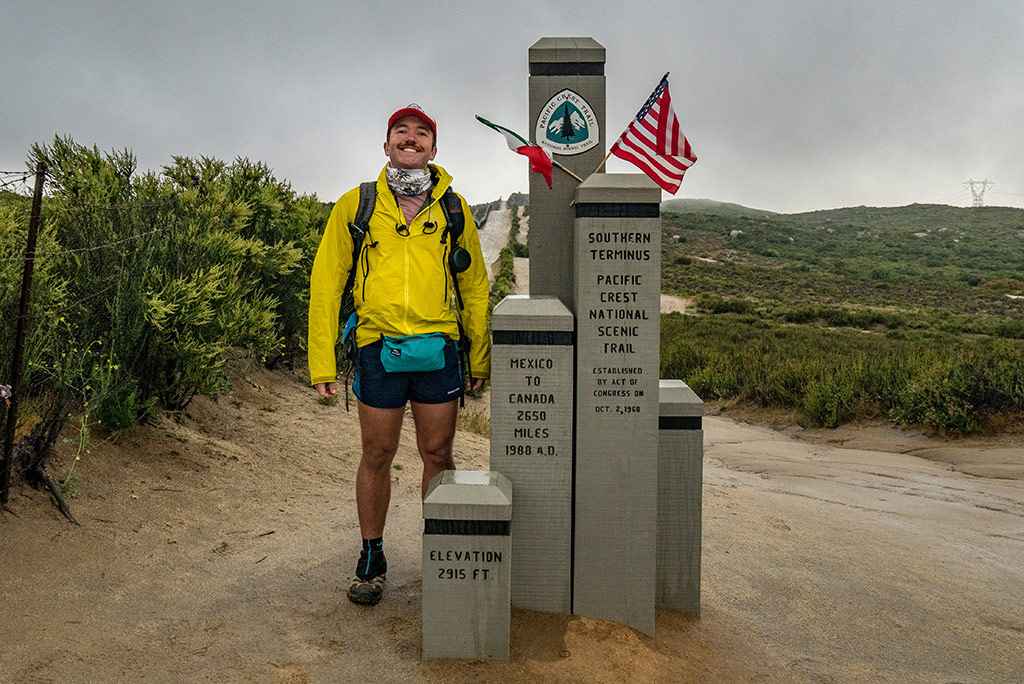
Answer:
(435, 432)
(380, 430)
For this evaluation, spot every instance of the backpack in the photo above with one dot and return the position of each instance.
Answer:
(458, 259)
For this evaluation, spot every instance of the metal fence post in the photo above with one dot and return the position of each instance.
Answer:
(19, 336)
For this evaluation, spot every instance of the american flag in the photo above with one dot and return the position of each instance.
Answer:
(654, 143)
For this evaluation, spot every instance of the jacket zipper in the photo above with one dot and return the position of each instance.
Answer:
(426, 207)
(405, 313)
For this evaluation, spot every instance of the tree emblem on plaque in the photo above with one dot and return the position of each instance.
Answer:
(567, 124)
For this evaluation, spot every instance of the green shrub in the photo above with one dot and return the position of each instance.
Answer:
(1003, 284)
(835, 375)
(145, 282)
(936, 396)
(720, 305)
(504, 280)
(971, 279)
(830, 400)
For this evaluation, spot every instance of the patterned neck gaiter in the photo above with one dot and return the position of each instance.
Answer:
(408, 181)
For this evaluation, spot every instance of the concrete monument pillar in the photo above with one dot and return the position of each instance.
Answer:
(680, 479)
(531, 443)
(567, 117)
(466, 560)
(617, 304)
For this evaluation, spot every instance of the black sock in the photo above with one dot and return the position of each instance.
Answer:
(372, 561)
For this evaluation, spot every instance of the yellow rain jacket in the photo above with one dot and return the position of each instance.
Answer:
(402, 284)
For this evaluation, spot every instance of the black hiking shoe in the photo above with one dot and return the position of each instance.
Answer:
(366, 592)
(368, 585)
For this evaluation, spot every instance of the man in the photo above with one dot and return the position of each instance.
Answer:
(403, 286)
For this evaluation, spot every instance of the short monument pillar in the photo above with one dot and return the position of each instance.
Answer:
(466, 565)
(617, 304)
(531, 443)
(680, 479)
(567, 117)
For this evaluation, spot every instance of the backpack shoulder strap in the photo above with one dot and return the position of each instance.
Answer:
(455, 220)
(357, 229)
(455, 224)
(367, 203)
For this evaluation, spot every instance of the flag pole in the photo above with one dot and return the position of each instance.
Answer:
(605, 159)
(567, 170)
(610, 148)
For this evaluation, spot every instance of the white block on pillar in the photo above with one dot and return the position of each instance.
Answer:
(466, 559)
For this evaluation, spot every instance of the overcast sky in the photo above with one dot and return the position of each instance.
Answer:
(789, 105)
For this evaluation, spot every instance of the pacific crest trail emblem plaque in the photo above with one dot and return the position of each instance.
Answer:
(567, 124)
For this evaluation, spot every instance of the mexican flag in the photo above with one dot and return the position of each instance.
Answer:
(540, 159)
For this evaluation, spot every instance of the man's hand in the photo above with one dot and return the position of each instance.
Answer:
(474, 384)
(327, 390)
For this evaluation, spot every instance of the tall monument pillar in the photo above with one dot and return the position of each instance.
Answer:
(618, 281)
(567, 117)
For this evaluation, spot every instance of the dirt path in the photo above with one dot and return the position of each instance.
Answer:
(493, 239)
(218, 550)
(672, 303)
(494, 236)
(865, 565)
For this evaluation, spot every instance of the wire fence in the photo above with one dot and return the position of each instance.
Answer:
(92, 248)
(16, 181)
(20, 182)
(142, 287)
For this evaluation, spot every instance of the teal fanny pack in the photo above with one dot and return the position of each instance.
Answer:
(413, 353)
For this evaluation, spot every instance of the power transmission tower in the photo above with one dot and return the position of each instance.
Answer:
(978, 189)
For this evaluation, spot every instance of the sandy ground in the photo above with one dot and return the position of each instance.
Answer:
(672, 303)
(219, 548)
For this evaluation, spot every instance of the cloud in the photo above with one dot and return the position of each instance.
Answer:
(789, 106)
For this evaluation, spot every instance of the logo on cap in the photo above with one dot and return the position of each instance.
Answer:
(413, 109)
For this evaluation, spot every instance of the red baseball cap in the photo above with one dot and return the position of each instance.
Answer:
(413, 109)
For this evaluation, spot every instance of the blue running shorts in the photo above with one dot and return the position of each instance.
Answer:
(377, 388)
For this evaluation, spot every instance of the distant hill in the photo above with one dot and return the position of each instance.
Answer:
(917, 217)
(706, 206)
(936, 260)
(673, 206)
